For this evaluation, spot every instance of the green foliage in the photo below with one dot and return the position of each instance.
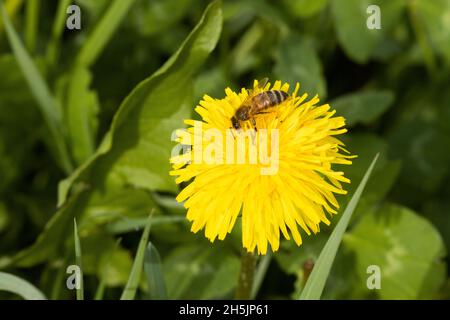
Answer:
(129, 292)
(11, 283)
(319, 275)
(154, 274)
(86, 118)
(411, 268)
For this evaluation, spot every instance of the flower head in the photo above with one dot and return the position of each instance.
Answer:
(277, 177)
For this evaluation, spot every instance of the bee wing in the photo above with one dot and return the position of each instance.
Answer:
(262, 83)
(251, 92)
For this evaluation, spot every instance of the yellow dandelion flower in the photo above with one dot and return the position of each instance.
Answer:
(276, 184)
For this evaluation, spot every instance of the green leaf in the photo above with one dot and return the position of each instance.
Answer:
(201, 271)
(129, 292)
(103, 32)
(154, 274)
(350, 20)
(406, 247)
(297, 61)
(48, 106)
(304, 8)
(11, 283)
(316, 282)
(81, 108)
(114, 266)
(363, 107)
(80, 291)
(133, 149)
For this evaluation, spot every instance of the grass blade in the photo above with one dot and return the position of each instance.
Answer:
(23, 288)
(135, 275)
(31, 24)
(50, 110)
(80, 291)
(260, 274)
(103, 31)
(154, 274)
(316, 282)
(57, 30)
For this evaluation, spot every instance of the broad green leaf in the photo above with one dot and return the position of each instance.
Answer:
(138, 146)
(23, 288)
(154, 274)
(81, 108)
(46, 102)
(350, 20)
(80, 291)
(407, 248)
(117, 206)
(115, 267)
(363, 107)
(298, 61)
(129, 292)
(304, 8)
(103, 32)
(105, 258)
(201, 271)
(316, 282)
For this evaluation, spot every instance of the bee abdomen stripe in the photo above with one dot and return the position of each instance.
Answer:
(272, 97)
(279, 96)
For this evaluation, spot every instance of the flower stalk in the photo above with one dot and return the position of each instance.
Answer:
(246, 275)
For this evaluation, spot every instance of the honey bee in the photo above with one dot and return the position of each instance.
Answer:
(257, 104)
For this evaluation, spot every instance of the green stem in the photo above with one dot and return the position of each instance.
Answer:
(31, 24)
(246, 275)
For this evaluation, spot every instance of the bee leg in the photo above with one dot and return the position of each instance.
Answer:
(254, 124)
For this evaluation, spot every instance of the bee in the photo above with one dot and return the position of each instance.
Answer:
(257, 104)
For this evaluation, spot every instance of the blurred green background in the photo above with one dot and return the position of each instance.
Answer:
(391, 84)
